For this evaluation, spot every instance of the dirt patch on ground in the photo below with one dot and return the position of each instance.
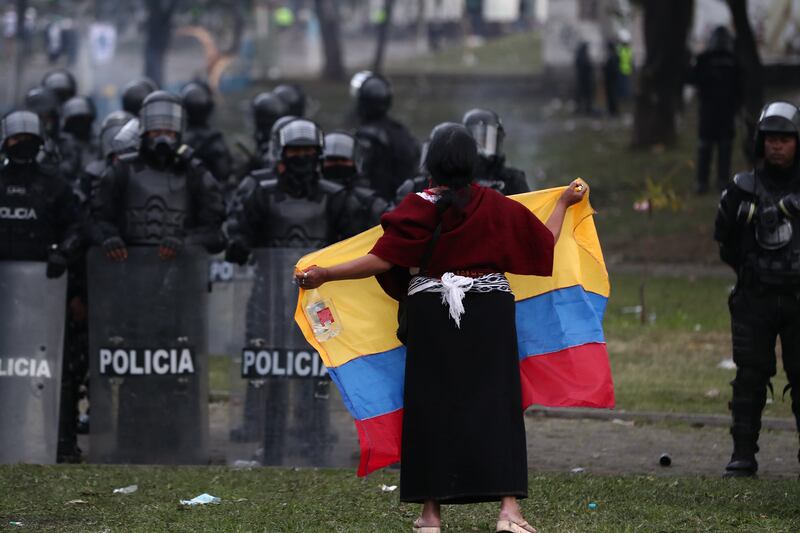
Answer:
(607, 447)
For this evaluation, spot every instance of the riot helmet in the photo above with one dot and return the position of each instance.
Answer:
(21, 136)
(44, 102)
(293, 96)
(301, 143)
(109, 129)
(340, 162)
(62, 83)
(128, 139)
(77, 116)
(134, 93)
(372, 93)
(198, 102)
(777, 117)
(274, 137)
(162, 117)
(487, 129)
(267, 109)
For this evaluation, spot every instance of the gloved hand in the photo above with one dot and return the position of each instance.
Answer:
(237, 253)
(56, 264)
(115, 249)
(169, 248)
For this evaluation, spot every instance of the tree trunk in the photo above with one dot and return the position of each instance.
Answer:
(752, 86)
(159, 34)
(19, 50)
(383, 36)
(666, 27)
(328, 15)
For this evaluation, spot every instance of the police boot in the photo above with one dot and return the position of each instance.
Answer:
(743, 460)
(749, 397)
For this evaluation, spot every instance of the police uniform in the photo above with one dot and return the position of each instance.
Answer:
(163, 196)
(290, 207)
(487, 129)
(390, 152)
(40, 220)
(208, 143)
(759, 236)
(363, 206)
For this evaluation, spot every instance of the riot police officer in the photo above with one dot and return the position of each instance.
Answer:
(288, 212)
(164, 197)
(291, 206)
(293, 96)
(134, 93)
(40, 217)
(208, 143)
(39, 221)
(58, 152)
(109, 129)
(62, 83)
(759, 237)
(77, 117)
(486, 128)
(267, 109)
(340, 165)
(390, 153)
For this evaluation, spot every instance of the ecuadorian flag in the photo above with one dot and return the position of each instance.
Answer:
(562, 350)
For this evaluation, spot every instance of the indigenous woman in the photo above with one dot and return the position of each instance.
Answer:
(445, 251)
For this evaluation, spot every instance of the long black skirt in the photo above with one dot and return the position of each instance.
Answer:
(463, 428)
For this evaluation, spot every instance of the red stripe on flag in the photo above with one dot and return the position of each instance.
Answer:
(576, 377)
(379, 438)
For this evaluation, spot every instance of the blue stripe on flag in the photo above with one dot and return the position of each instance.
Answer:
(372, 385)
(559, 319)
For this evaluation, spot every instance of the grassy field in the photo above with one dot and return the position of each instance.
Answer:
(516, 54)
(80, 499)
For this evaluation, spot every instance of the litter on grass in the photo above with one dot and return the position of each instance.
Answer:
(130, 489)
(388, 488)
(203, 499)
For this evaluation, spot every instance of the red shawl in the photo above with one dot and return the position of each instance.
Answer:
(495, 234)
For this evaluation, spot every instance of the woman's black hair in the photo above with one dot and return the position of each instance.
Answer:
(452, 156)
(451, 159)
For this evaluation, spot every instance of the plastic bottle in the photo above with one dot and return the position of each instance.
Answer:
(322, 316)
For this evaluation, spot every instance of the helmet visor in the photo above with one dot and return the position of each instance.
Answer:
(338, 145)
(162, 116)
(487, 137)
(20, 122)
(779, 117)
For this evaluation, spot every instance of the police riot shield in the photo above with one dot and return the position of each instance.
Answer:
(148, 362)
(32, 309)
(285, 410)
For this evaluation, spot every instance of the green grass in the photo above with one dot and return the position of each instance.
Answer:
(284, 500)
(669, 364)
(516, 54)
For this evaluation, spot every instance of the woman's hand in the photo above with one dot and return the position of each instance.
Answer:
(574, 193)
(312, 277)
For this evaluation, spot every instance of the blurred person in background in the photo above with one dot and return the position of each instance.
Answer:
(208, 143)
(390, 152)
(584, 78)
(717, 76)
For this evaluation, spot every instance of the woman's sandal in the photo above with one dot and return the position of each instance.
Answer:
(419, 528)
(509, 526)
